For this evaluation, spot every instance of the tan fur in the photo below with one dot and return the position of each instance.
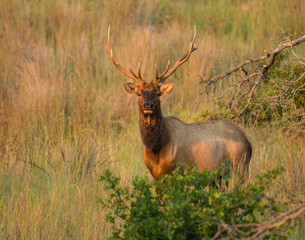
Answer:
(207, 144)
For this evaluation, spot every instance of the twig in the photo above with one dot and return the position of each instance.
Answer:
(259, 230)
(282, 218)
(242, 92)
(226, 74)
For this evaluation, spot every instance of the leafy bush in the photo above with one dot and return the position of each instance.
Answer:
(187, 207)
(281, 93)
(278, 99)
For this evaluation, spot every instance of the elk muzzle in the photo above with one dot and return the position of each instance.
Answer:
(149, 107)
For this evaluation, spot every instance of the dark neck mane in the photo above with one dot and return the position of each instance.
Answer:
(154, 135)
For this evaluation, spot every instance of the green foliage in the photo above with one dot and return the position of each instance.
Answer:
(298, 74)
(279, 98)
(279, 94)
(186, 206)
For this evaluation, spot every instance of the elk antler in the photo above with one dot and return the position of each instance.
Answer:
(179, 62)
(133, 76)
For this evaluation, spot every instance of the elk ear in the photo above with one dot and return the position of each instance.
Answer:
(131, 88)
(167, 88)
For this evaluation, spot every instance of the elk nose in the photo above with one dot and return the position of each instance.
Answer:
(148, 105)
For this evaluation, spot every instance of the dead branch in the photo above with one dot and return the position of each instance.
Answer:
(258, 231)
(279, 221)
(241, 93)
(226, 74)
(269, 54)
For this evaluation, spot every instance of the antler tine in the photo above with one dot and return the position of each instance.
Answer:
(132, 75)
(157, 80)
(156, 72)
(166, 70)
(132, 72)
(139, 71)
(180, 61)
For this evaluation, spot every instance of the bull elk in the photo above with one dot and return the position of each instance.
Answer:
(168, 140)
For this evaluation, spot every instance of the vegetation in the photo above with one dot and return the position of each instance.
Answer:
(187, 208)
(271, 93)
(65, 117)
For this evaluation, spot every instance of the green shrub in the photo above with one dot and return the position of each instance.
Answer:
(279, 99)
(186, 207)
(281, 96)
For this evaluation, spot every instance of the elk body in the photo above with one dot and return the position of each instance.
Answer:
(168, 140)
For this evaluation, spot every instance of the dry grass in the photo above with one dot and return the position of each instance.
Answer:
(65, 117)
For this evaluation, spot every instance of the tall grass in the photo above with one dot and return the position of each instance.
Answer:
(65, 117)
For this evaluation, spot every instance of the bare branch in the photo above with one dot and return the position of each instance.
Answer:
(226, 74)
(244, 91)
(256, 230)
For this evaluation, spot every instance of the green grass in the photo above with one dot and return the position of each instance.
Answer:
(65, 116)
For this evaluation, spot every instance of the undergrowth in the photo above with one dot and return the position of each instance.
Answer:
(186, 207)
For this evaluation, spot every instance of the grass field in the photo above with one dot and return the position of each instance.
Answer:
(65, 116)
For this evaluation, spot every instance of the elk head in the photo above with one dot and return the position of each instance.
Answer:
(149, 93)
